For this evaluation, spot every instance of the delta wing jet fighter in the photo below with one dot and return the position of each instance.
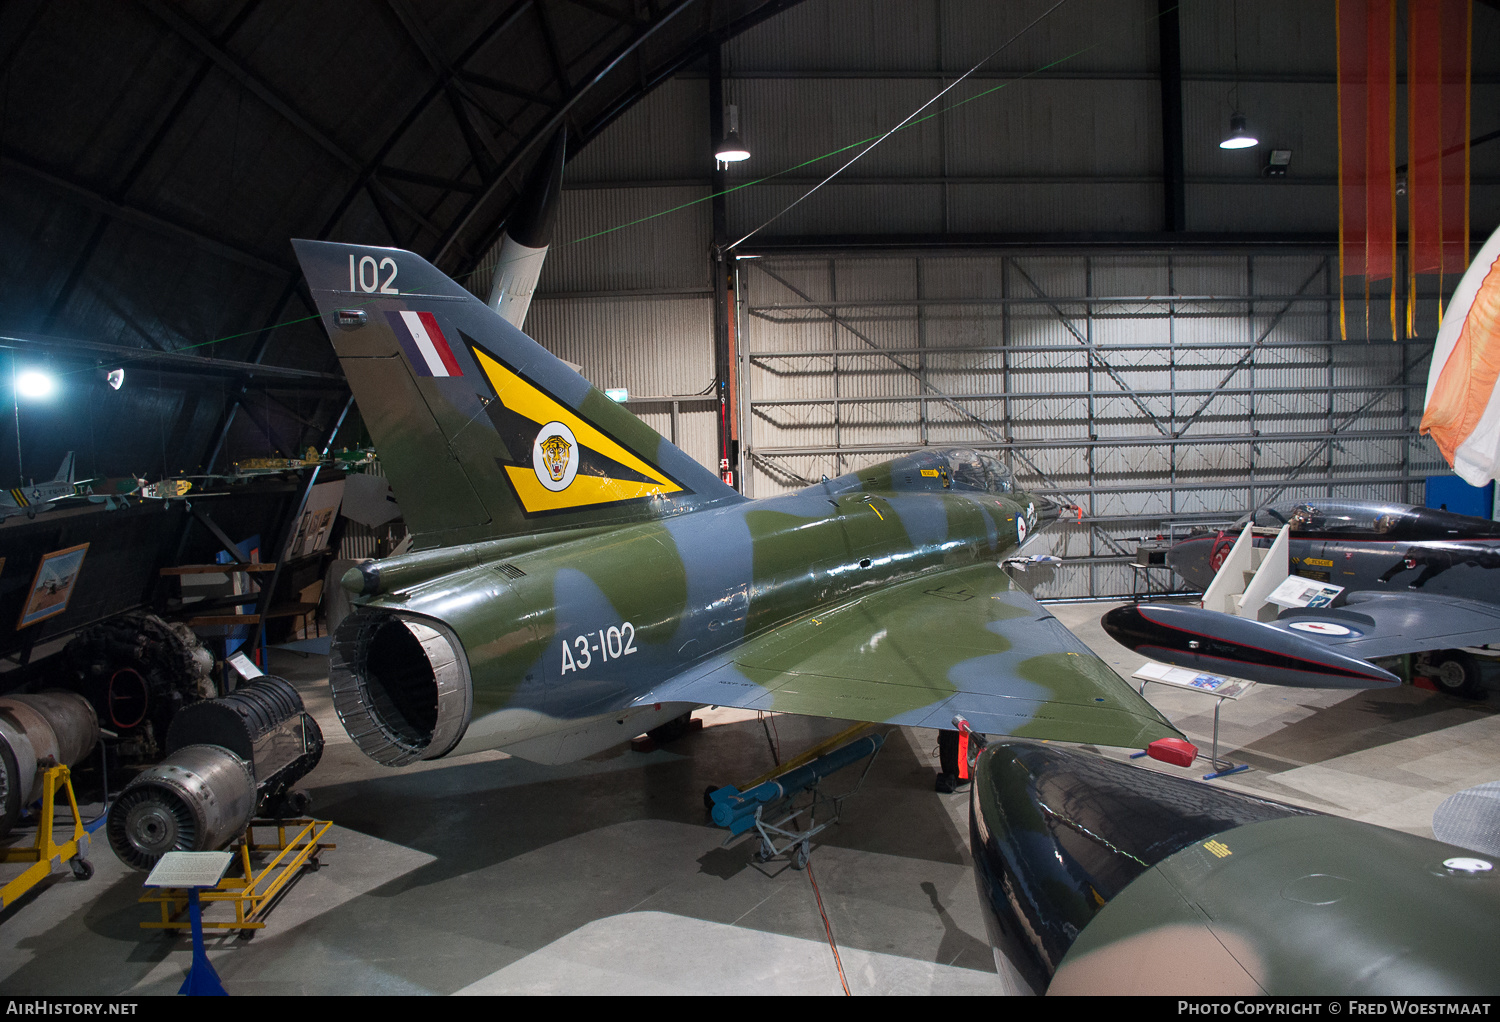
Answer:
(1413, 580)
(576, 579)
(36, 496)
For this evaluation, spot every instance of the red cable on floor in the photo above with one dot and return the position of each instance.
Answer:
(828, 929)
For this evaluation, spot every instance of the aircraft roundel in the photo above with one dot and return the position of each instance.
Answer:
(1324, 628)
(1020, 529)
(554, 456)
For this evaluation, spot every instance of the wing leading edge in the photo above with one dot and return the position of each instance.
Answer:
(965, 641)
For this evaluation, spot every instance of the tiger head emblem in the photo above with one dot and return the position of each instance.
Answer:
(555, 451)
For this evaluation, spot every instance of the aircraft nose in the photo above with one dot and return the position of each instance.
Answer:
(1191, 560)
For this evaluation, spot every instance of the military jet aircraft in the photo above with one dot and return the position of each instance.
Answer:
(1414, 580)
(576, 580)
(1098, 877)
(36, 496)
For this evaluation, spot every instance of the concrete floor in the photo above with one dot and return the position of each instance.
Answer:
(490, 875)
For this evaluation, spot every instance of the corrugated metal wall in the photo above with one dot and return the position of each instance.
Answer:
(1155, 391)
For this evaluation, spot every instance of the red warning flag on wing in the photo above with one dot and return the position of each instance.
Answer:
(1463, 410)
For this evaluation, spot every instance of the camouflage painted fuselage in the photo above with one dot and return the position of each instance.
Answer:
(586, 624)
(1097, 877)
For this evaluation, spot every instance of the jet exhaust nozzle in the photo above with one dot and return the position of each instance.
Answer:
(200, 798)
(401, 686)
(228, 759)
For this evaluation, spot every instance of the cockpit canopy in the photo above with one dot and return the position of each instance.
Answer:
(975, 470)
(1376, 519)
(954, 468)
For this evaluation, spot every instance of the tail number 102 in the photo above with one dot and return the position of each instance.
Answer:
(365, 276)
(609, 643)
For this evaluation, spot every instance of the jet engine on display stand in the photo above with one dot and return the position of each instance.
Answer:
(228, 761)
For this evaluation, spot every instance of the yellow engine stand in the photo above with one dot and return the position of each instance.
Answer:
(298, 844)
(45, 852)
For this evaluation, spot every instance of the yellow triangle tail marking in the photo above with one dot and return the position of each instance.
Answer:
(583, 492)
(525, 399)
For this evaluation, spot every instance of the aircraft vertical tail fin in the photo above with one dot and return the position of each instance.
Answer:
(482, 432)
(65, 470)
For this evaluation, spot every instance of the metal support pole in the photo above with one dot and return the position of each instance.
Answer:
(719, 265)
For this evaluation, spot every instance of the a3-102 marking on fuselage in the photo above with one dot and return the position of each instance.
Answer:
(612, 643)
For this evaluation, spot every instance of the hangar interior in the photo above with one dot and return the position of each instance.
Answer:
(1046, 257)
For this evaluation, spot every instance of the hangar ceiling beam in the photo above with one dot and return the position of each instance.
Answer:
(559, 69)
(1058, 74)
(1032, 244)
(610, 12)
(547, 127)
(257, 87)
(114, 355)
(430, 180)
(481, 144)
(496, 85)
(376, 164)
(1173, 172)
(143, 218)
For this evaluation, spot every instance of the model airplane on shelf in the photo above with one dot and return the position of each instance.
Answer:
(576, 579)
(1392, 579)
(35, 496)
(1098, 877)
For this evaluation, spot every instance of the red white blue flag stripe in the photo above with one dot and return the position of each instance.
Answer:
(426, 347)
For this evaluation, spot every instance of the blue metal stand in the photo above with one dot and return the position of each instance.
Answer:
(202, 980)
(1222, 768)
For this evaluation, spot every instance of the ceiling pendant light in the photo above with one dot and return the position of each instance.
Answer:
(731, 149)
(1239, 135)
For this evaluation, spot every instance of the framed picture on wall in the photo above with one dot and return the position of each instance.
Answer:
(52, 587)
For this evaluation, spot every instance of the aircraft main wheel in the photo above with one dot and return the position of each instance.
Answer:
(1458, 674)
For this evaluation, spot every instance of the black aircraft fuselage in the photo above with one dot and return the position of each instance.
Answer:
(1363, 545)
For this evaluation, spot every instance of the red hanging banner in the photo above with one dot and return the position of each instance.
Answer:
(1457, 40)
(1380, 147)
(1367, 165)
(1353, 130)
(1424, 137)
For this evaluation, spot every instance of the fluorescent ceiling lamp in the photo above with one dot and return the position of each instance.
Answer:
(34, 383)
(1239, 135)
(617, 394)
(731, 150)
